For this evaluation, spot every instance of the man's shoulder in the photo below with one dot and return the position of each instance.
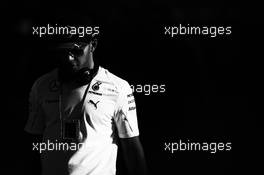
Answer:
(45, 79)
(116, 80)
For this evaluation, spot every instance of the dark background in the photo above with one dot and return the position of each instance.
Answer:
(210, 95)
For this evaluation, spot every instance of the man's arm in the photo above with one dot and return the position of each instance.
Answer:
(34, 128)
(134, 156)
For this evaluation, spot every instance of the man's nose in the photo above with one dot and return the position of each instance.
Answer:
(72, 60)
(70, 57)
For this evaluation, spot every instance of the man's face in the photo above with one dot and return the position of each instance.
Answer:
(76, 56)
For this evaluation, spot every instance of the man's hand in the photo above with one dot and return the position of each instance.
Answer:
(134, 156)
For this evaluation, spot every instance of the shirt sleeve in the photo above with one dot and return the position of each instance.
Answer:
(35, 123)
(126, 115)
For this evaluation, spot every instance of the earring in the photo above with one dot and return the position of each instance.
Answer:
(91, 47)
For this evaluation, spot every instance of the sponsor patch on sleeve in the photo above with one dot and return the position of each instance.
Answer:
(130, 95)
(132, 108)
(131, 101)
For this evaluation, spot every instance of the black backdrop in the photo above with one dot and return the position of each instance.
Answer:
(208, 81)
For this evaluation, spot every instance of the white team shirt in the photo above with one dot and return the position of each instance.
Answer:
(109, 111)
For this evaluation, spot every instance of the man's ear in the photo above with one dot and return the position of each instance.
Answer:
(93, 44)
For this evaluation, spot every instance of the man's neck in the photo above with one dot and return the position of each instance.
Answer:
(90, 63)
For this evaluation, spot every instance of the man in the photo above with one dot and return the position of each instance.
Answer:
(81, 109)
